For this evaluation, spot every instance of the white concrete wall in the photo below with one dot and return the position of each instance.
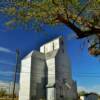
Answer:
(51, 94)
(50, 46)
(51, 79)
(24, 90)
(51, 70)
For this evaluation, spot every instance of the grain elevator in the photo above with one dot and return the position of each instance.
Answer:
(46, 75)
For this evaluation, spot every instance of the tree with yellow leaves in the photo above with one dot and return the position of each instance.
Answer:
(81, 16)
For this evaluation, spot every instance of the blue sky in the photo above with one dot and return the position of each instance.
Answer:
(85, 68)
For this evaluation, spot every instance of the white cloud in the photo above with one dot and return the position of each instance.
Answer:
(2, 49)
(95, 88)
(7, 73)
(6, 62)
(81, 88)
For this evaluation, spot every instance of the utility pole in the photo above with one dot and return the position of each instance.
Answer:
(15, 73)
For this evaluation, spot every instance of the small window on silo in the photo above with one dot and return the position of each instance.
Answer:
(62, 42)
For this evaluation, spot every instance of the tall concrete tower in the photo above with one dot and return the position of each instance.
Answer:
(33, 77)
(60, 84)
(46, 75)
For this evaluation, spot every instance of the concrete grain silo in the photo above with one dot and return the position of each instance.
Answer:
(60, 84)
(38, 77)
(46, 75)
(33, 77)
